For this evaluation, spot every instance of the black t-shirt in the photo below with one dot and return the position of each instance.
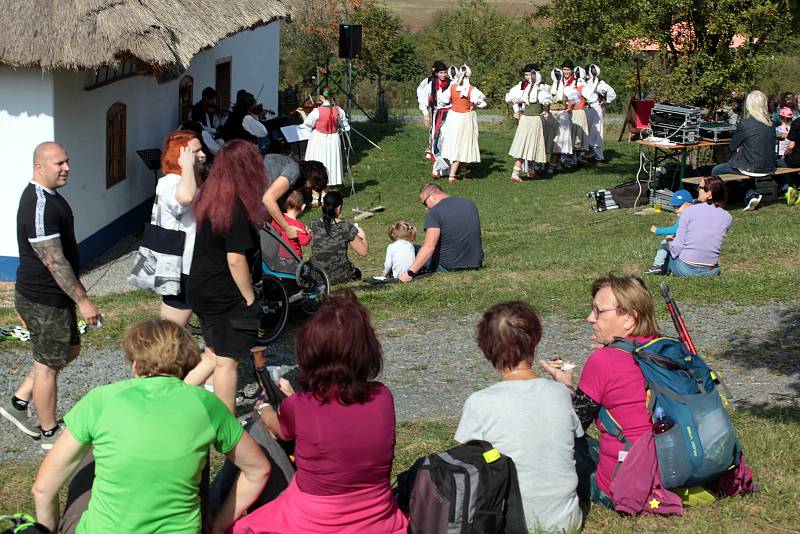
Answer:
(459, 245)
(212, 289)
(793, 158)
(43, 215)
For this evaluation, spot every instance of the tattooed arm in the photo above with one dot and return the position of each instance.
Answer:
(52, 255)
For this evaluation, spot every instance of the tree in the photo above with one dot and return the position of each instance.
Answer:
(311, 42)
(695, 60)
(495, 46)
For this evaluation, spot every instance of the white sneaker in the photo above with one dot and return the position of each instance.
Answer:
(753, 204)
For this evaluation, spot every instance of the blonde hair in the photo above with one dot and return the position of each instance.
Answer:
(632, 298)
(755, 105)
(402, 230)
(160, 347)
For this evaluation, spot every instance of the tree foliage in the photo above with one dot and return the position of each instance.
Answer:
(694, 60)
(311, 41)
(496, 46)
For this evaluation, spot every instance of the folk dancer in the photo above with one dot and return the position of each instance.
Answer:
(580, 125)
(597, 93)
(460, 143)
(325, 145)
(433, 98)
(559, 126)
(528, 146)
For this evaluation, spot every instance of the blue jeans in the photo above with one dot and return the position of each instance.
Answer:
(429, 265)
(677, 267)
(724, 168)
(661, 255)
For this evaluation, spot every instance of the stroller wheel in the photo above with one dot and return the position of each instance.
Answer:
(274, 304)
(314, 283)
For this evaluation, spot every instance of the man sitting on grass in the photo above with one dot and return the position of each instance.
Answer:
(452, 234)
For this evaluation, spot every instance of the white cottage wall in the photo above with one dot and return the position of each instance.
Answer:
(26, 119)
(29, 100)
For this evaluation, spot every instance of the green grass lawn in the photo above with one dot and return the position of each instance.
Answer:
(544, 245)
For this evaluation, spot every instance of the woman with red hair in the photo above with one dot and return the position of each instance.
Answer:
(226, 262)
(183, 164)
(343, 426)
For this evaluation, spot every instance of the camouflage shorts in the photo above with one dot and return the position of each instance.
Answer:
(53, 331)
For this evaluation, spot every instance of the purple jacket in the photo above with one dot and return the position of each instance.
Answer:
(701, 231)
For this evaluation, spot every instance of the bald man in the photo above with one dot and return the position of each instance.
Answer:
(47, 290)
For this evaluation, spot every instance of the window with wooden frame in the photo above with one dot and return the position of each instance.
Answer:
(185, 98)
(115, 144)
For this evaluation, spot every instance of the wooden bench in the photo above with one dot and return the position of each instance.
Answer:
(766, 186)
(779, 171)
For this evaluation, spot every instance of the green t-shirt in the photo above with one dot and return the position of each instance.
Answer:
(150, 437)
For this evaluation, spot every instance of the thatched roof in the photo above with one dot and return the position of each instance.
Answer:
(162, 35)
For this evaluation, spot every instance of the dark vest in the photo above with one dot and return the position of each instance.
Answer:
(233, 129)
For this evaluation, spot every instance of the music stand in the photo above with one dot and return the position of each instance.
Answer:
(152, 159)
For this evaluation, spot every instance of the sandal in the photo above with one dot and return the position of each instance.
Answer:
(516, 179)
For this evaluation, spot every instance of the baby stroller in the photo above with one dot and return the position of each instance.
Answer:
(287, 280)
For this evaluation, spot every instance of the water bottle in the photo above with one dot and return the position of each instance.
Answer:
(661, 423)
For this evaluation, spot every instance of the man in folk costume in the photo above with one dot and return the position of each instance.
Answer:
(325, 145)
(560, 125)
(460, 143)
(580, 125)
(596, 92)
(528, 146)
(433, 97)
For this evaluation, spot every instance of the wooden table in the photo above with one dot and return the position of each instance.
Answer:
(663, 152)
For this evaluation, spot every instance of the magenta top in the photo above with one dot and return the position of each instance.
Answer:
(701, 231)
(611, 378)
(340, 449)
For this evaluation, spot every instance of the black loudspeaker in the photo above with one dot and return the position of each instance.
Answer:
(349, 41)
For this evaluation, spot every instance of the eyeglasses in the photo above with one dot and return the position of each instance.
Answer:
(595, 310)
(425, 201)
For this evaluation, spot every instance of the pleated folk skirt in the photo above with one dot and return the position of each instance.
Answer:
(595, 118)
(562, 141)
(580, 129)
(460, 137)
(326, 149)
(528, 143)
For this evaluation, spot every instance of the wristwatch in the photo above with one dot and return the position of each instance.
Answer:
(411, 273)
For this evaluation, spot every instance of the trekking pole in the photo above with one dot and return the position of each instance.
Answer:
(677, 319)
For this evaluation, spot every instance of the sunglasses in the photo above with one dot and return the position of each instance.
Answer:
(425, 201)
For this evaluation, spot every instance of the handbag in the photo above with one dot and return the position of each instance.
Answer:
(159, 261)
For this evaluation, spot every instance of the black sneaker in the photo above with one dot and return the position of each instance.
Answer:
(654, 270)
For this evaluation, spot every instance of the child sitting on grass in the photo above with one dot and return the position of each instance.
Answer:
(293, 206)
(680, 200)
(400, 253)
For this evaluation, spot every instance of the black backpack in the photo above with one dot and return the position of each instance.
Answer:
(469, 489)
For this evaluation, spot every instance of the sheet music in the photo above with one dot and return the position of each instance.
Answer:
(294, 133)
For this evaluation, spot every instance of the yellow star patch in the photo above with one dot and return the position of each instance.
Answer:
(654, 504)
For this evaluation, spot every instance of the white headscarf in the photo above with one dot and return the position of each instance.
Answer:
(452, 72)
(557, 89)
(593, 80)
(463, 80)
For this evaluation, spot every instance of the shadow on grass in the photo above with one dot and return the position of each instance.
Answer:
(779, 352)
(376, 132)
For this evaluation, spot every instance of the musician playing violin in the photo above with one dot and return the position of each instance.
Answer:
(243, 120)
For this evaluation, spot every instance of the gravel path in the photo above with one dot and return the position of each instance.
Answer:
(432, 365)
